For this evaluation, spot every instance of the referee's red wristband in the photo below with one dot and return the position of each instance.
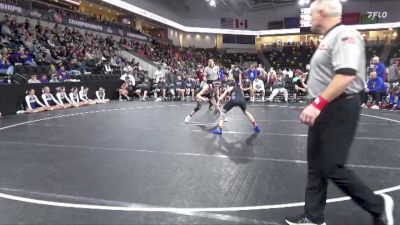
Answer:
(320, 103)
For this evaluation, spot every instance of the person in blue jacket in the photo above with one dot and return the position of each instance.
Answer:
(379, 67)
(252, 74)
(394, 93)
(376, 88)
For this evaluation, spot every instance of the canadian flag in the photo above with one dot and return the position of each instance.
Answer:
(240, 24)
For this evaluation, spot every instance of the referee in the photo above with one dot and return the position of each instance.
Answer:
(336, 78)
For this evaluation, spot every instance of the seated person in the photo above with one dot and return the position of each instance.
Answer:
(101, 96)
(299, 83)
(224, 84)
(63, 98)
(179, 88)
(49, 99)
(83, 96)
(375, 88)
(259, 87)
(161, 87)
(189, 88)
(144, 88)
(246, 87)
(74, 97)
(33, 105)
(124, 90)
(34, 79)
(279, 87)
(394, 93)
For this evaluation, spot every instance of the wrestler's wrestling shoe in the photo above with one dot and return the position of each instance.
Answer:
(257, 129)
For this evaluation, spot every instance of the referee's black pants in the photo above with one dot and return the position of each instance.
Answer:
(329, 142)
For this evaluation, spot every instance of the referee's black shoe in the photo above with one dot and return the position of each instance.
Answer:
(301, 220)
(386, 218)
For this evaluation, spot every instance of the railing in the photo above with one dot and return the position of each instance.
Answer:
(51, 15)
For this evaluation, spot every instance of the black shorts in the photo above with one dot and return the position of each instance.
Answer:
(235, 103)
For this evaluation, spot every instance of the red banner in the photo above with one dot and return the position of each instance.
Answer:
(351, 18)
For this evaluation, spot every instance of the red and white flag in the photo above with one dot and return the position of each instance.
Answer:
(241, 24)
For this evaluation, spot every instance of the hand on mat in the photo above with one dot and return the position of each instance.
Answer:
(309, 115)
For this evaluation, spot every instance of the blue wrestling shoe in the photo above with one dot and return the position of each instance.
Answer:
(217, 130)
(257, 129)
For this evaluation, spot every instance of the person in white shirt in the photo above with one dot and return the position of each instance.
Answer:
(130, 77)
(159, 74)
(290, 73)
(33, 105)
(63, 98)
(101, 96)
(49, 99)
(107, 69)
(83, 96)
(259, 87)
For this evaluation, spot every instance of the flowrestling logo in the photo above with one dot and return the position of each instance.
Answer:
(379, 15)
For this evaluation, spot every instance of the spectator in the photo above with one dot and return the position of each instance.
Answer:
(161, 87)
(158, 74)
(62, 74)
(379, 68)
(6, 30)
(259, 87)
(279, 87)
(83, 96)
(235, 74)
(393, 73)
(179, 88)
(375, 88)
(299, 83)
(246, 87)
(107, 68)
(34, 79)
(124, 90)
(394, 93)
(144, 88)
(43, 79)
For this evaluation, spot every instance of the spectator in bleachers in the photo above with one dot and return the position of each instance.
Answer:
(43, 79)
(300, 86)
(62, 73)
(124, 90)
(189, 88)
(375, 88)
(272, 76)
(394, 93)
(261, 72)
(107, 68)
(34, 79)
(5, 65)
(235, 74)
(393, 73)
(6, 30)
(162, 88)
(143, 90)
(259, 87)
(246, 86)
(379, 68)
(279, 88)
(179, 85)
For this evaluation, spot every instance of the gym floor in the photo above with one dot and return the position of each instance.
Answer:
(138, 163)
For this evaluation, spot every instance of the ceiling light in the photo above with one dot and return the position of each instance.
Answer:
(212, 3)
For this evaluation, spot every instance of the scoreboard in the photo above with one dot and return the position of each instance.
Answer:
(305, 20)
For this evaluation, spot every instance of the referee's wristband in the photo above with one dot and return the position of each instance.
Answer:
(320, 103)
